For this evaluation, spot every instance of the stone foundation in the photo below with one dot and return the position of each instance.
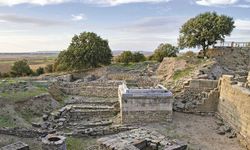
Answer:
(139, 139)
(145, 105)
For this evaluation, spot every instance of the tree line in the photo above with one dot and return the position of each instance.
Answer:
(88, 50)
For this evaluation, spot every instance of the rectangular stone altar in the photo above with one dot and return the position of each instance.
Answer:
(139, 104)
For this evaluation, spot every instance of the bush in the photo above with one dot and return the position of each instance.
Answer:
(39, 71)
(5, 75)
(127, 57)
(138, 57)
(21, 68)
(49, 68)
(164, 50)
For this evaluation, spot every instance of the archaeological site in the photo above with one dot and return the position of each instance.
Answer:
(182, 103)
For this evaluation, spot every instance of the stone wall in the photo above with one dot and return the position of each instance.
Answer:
(93, 88)
(234, 106)
(199, 96)
(23, 132)
(145, 105)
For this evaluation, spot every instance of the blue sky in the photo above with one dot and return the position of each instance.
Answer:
(48, 25)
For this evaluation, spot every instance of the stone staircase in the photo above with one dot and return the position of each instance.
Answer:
(82, 112)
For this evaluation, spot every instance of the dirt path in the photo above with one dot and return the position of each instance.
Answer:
(199, 132)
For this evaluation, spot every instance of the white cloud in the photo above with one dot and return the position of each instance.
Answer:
(99, 2)
(216, 2)
(35, 2)
(242, 24)
(243, 6)
(19, 19)
(79, 17)
(120, 2)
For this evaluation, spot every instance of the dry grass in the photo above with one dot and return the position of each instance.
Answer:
(36, 61)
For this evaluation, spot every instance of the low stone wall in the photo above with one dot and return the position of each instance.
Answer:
(80, 115)
(93, 88)
(203, 84)
(234, 106)
(16, 146)
(23, 132)
(145, 105)
(199, 96)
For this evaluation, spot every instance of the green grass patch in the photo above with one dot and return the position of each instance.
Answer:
(29, 115)
(6, 122)
(178, 74)
(23, 95)
(79, 143)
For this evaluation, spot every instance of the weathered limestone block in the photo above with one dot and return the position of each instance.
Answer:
(145, 105)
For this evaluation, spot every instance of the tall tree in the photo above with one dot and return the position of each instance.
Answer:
(87, 50)
(205, 30)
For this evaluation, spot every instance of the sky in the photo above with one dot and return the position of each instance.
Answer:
(138, 25)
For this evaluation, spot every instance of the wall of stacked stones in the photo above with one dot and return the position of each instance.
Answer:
(22, 132)
(234, 106)
(200, 96)
(141, 81)
(95, 88)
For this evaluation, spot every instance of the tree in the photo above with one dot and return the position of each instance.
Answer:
(165, 50)
(138, 57)
(205, 30)
(39, 71)
(87, 50)
(21, 68)
(49, 68)
(125, 57)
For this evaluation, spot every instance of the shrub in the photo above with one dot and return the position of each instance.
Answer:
(127, 57)
(39, 71)
(49, 68)
(164, 50)
(21, 68)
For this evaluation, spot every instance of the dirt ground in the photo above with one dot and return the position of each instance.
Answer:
(199, 132)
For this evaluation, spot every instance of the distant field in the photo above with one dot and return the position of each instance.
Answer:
(35, 60)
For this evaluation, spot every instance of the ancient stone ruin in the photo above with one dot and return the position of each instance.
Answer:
(139, 139)
(53, 142)
(16, 146)
(139, 105)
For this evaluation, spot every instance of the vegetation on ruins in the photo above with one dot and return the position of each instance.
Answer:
(164, 50)
(87, 50)
(127, 57)
(205, 30)
(21, 68)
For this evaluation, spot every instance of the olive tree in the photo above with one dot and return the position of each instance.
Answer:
(87, 50)
(205, 30)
